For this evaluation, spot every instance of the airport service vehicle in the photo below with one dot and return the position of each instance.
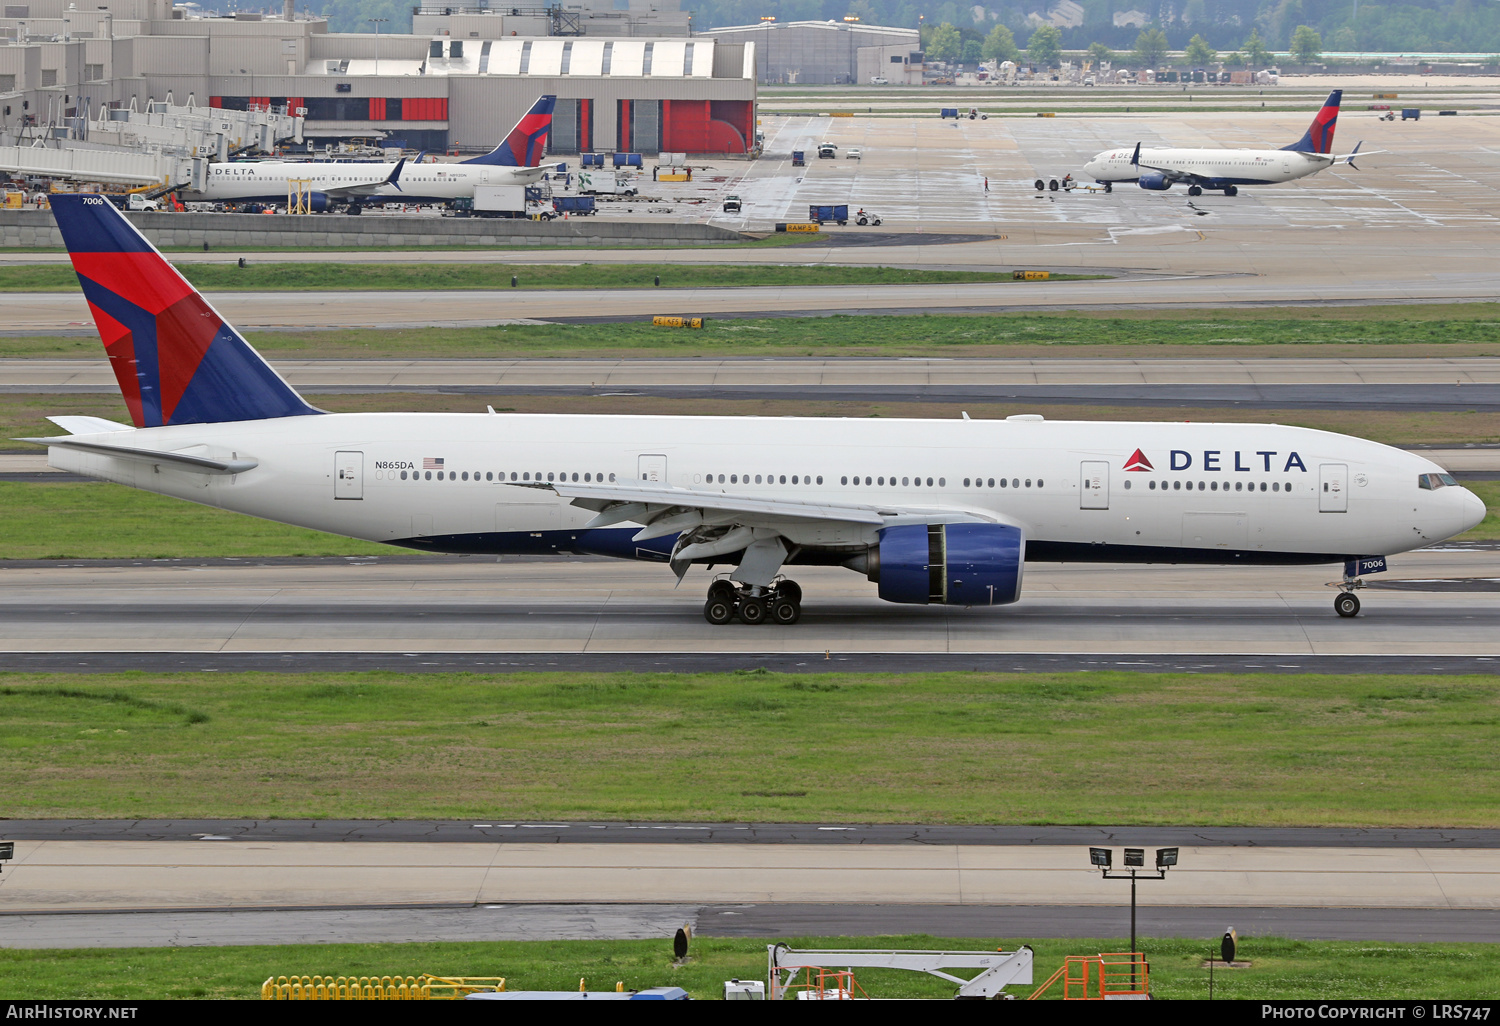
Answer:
(827, 151)
(822, 212)
(799, 158)
(854, 154)
(863, 217)
(930, 511)
(1160, 169)
(731, 204)
(575, 205)
(351, 186)
(135, 201)
(595, 184)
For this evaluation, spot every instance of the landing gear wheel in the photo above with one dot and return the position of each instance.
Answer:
(718, 611)
(1195, 190)
(1231, 190)
(786, 611)
(753, 611)
(355, 209)
(1109, 186)
(721, 590)
(1040, 185)
(1347, 604)
(789, 590)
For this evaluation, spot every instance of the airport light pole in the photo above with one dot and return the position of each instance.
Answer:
(377, 22)
(1135, 861)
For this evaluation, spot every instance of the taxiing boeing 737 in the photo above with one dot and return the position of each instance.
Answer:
(333, 184)
(932, 511)
(1226, 169)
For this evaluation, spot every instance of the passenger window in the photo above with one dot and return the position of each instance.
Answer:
(1127, 484)
(575, 477)
(820, 479)
(429, 475)
(880, 480)
(403, 475)
(966, 482)
(1002, 482)
(1152, 486)
(1176, 486)
(867, 480)
(611, 479)
(844, 480)
(1275, 486)
(1015, 482)
(734, 479)
(904, 480)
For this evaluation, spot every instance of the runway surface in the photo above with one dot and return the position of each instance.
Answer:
(467, 831)
(92, 876)
(1368, 383)
(572, 607)
(772, 921)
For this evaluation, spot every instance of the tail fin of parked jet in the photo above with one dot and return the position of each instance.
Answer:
(177, 360)
(1319, 135)
(526, 143)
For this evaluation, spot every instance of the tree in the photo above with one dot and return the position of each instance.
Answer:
(1255, 50)
(1150, 47)
(1199, 52)
(1100, 55)
(1234, 59)
(1044, 48)
(973, 51)
(943, 43)
(1307, 45)
(1000, 45)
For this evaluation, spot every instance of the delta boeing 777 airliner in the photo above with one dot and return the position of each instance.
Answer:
(930, 511)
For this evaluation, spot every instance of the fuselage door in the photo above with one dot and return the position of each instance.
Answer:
(1333, 488)
(652, 468)
(349, 475)
(1093, 486)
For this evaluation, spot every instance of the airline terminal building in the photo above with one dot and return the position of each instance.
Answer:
(631, 80)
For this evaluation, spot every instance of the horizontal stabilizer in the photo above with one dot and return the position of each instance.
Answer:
(88, 425)
(201, 464)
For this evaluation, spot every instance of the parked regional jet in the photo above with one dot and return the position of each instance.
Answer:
(932, 511)
(1158, 169)
(332, 184)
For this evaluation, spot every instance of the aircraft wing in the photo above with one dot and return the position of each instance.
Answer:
(368, 188)
(713, 523)
(1175, 174)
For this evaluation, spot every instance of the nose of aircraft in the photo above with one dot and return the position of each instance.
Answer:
(1474, 510)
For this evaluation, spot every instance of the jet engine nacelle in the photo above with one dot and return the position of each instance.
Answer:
(318, 203)
(1155, 181)
(949, 564)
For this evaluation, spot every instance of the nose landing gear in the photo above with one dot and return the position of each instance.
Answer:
(780, 603)
(1346, 604)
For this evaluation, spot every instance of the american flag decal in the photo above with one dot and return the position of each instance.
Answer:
(432, 463)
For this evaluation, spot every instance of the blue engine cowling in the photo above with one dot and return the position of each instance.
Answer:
(1155, 181)
(318, 203)
(950, 564)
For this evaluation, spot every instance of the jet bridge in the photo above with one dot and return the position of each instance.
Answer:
(998, 969)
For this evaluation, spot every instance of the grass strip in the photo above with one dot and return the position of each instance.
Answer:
(381, 277)
(1218, 749)
(1279, 969)
(1454, 330)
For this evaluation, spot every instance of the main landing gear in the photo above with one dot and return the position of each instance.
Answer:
(780, 603)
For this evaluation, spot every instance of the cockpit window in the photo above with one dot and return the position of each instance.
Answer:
(1447, 479)
(1432, 482)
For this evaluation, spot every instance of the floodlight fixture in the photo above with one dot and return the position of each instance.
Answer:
(1135, 857)
(1101, 857)
(1166, 858)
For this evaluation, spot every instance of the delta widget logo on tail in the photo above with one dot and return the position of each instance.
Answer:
(1138, 461)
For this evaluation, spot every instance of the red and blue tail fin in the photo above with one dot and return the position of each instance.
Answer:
(177, 361)
(527, 143)
(1319, 135)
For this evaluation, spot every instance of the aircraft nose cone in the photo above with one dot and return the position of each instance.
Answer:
(1474, 510)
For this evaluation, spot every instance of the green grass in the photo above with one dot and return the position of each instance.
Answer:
(1279, 969)
(1456, 330)
(105, 521)
(381, 277)
(1263, 750)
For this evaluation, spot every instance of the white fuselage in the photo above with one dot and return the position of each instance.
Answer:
(273, 180)
(1229, 167)
(1223, 492)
